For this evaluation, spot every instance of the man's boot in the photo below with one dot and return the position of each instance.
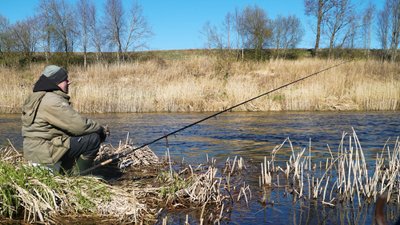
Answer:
(82, 163)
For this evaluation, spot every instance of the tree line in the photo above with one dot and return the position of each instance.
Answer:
(60, 26)
(339, 24)
(344, 26)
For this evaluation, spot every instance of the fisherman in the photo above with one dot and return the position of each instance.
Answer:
(54, 133)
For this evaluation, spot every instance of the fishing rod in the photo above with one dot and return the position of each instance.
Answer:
(123, 154)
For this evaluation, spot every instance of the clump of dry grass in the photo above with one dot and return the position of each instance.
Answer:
(142, 157)
(195, 84)
(204, 188)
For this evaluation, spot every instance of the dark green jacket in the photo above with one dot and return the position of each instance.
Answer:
(48, 122)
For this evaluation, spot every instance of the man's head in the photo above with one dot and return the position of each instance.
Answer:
(58, 76)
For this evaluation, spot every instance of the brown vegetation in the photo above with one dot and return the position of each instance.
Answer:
(201, 83)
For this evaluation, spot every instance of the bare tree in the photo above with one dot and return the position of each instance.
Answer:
(389, 27)
(61, 23)
(350, 34)
(286, 32)
(241, 32)
(218, 45)
(46, 30)
(384, 26)
(254, 27)
(83, 8)
(5, 35)
(228, 24)
(95, 31)
(318, 9)
(277, 32)
(218, 37)
(338, 21)
(395, 37)
(367, 20)
(218, 42)
(114, 24)
(213, 36)
(238, 21)
(25, 35)
(138, 29)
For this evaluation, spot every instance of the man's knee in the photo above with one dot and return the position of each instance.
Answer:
(95, 139)
(93, 145)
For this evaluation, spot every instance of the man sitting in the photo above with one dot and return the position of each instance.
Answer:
(54, 133)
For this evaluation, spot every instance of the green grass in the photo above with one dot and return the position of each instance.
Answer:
(174, 184)
(35, 191)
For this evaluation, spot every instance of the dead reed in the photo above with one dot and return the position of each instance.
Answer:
(205, 188)
(196, 84)
(342, 178)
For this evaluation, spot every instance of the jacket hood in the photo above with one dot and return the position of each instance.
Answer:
(45, 84)
(32, 103)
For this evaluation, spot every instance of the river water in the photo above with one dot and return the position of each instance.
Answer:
(251, 135)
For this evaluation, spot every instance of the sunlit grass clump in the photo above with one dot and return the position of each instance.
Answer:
(35, 194)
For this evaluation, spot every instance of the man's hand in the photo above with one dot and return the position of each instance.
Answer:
(107, 130)
(104, 132)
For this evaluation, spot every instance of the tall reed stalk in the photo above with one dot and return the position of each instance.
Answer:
(346, 178)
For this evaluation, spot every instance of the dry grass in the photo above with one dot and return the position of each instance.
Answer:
(198, 84)
(204, 189)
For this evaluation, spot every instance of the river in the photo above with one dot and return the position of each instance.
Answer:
(251, 135)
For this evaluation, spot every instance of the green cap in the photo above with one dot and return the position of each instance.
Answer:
(55, 73)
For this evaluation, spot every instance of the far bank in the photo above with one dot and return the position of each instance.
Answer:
(201, 83)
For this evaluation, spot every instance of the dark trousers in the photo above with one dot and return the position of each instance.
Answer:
(86, 146)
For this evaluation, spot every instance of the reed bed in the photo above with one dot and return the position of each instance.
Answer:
(344, 177)
(199, 83)
(206, 189)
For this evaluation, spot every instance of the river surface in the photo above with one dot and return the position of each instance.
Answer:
(251, 135)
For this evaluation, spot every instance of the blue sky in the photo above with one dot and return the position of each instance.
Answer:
(176, 24)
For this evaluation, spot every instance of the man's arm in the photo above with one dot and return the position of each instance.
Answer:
(60, 114)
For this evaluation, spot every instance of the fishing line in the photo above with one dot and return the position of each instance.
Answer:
(123, 154)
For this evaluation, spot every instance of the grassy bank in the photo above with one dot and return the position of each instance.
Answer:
(36, 195)
(200, 83)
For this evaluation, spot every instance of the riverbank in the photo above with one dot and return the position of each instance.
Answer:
(200, 83)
